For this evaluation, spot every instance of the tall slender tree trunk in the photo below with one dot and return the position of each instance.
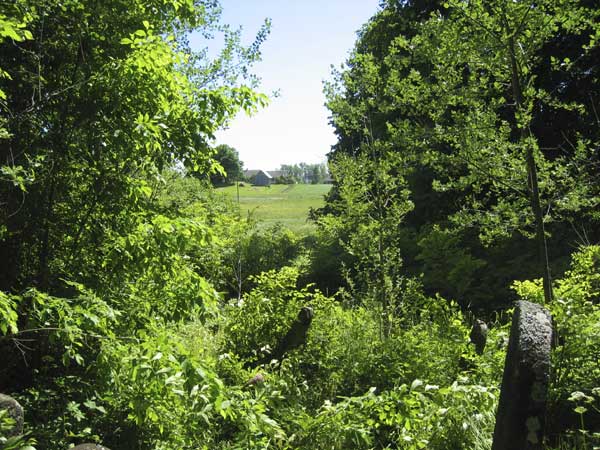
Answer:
(382, 289)
(524, 136)
(43, 275)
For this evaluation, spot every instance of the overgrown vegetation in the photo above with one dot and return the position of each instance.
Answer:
(140, 308)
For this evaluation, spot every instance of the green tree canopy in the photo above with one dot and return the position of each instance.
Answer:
(479, 107)
(98, 99)
(229, 160)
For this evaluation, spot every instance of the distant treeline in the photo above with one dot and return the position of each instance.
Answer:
(303, 173)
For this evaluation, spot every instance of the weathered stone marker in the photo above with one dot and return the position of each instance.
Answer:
(522, 406)
(296, 335)
(256, 380)
(15, 411)
(89, 447)
(478, 336)
(294, 338)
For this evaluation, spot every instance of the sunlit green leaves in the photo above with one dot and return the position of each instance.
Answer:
(8, 315)
(13, 28)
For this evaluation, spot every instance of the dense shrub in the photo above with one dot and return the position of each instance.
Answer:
(421, 416)
(351, 353)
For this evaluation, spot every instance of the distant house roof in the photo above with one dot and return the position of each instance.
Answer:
(269, 173)
(250, 173)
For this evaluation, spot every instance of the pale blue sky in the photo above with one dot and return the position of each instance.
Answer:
(307, 36)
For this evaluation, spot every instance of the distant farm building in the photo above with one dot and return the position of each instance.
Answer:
(262, 178)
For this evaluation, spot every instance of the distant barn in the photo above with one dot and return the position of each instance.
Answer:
(263, 178)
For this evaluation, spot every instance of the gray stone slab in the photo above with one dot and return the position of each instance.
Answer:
(478, 336)
(522, 406)
(293, 339)
(15, 410)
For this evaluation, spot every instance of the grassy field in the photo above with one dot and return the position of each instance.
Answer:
(288, 204)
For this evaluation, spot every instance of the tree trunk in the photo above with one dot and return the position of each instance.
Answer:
(525, 135)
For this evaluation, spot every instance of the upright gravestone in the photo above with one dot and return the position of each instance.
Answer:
(15, 411)
(522, 406)
(478, 335)
(296, 335)
(294, 338)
